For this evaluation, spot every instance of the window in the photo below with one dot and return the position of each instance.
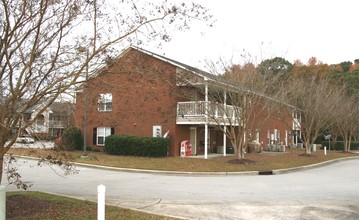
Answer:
(105, 102)
(101, 134)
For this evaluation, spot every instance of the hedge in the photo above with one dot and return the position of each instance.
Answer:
(71, 139)
(339, 145)
(136, 146)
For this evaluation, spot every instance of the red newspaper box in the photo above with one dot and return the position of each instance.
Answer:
(186, 148)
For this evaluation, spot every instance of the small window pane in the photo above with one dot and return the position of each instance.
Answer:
(108, 106)
(100, 140)
(100, 132)
(108, 132)
(101, 107)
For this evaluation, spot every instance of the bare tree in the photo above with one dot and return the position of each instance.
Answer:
(47, 47)
(239, 104)
(346, 120)
(316, 99)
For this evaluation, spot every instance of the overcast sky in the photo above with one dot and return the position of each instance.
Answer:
(292, 29)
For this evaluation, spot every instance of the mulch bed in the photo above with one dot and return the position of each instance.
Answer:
(308, 155)
(241, 161)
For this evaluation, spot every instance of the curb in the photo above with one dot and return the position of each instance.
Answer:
(182, 173)
(174, 173)
(312, 166)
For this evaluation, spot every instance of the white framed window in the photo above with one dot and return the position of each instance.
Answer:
(105, 102)
(102, 133)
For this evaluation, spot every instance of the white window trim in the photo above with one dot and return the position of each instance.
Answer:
(104, 134)
(104, 103)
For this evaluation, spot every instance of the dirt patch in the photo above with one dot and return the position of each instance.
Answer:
(18, 206)
(309, 155)
(241, 161)
(38, 206)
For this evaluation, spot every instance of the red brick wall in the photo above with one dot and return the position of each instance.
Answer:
(144, 94)
(265, 119)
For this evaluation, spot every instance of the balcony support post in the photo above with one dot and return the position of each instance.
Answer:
(206, 117)
(225, 125)
(224, 139)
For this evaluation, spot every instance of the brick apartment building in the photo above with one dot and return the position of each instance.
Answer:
(145, 94)
(52, 122)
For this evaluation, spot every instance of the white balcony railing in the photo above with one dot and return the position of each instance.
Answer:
(198, 109)
(58, 124)
(36, 128)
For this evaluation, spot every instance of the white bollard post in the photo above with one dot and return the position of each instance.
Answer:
(101, 189)
(325, 150)
(2, 203)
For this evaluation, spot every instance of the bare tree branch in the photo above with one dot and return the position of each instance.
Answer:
(40, 58)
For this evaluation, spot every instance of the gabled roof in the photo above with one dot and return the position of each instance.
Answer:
(206, 76)
(62, 108)
(194, 70)
(58, 108)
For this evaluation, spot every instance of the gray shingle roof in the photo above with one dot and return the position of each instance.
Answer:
(179, 64)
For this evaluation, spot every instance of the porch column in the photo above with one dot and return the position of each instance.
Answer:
(2, 202)
(296, 138)
(206, 117)
(224, 140)
(300, 128)
(225, 124)
(292, 136)
(286, 138)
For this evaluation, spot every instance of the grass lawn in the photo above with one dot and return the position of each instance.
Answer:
(36, 205)
(254, 162)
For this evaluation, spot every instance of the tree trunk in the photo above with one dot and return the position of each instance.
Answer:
(239, 152)
(347, 140)
(1, 166)
(3, 151)
(307, 148)
(345, 147)
(349, 143)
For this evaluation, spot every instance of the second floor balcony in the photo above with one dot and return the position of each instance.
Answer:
(58, 124)
(195, 112)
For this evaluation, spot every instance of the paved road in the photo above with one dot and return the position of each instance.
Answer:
(328, 192)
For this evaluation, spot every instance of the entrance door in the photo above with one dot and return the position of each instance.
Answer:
(193, 139)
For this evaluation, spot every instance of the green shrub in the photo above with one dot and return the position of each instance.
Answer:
(71, 139)
(136, 146)
(339, 145)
